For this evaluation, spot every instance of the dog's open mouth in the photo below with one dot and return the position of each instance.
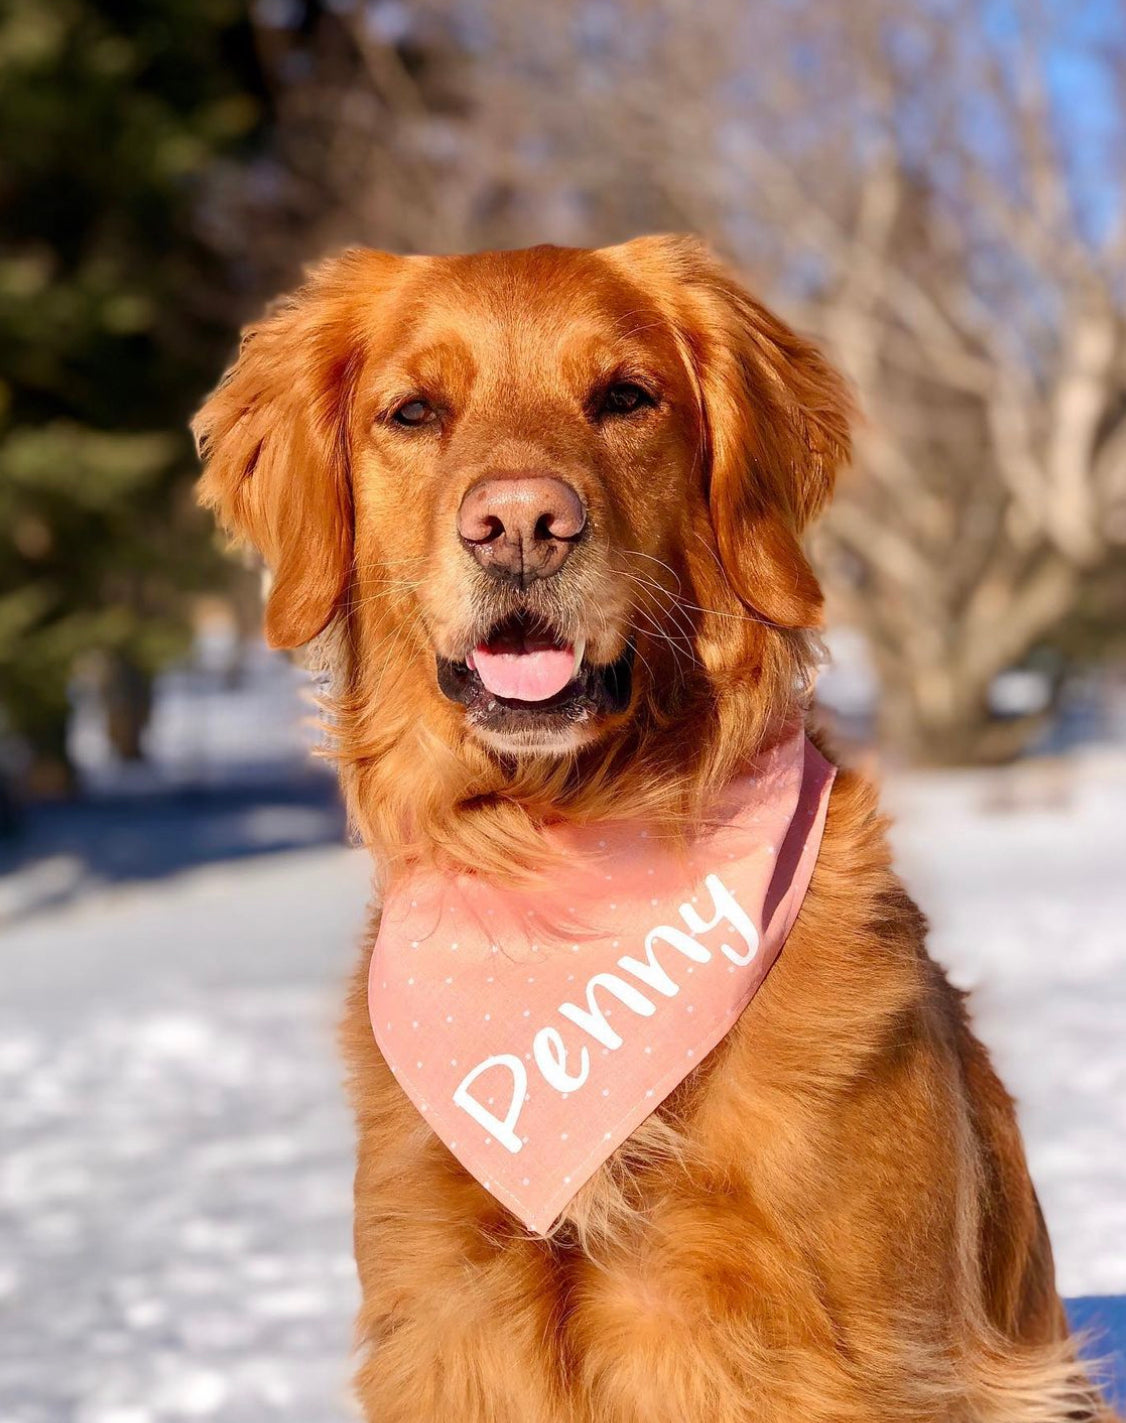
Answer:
(522, 664)
(522, 679)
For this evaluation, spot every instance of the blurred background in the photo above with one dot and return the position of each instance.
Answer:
(934, 188)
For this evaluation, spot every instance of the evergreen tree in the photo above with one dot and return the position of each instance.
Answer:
(114, 318)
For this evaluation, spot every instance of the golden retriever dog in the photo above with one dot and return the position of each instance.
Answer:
(614, 454)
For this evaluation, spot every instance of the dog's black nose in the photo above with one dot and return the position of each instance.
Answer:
(521, 527)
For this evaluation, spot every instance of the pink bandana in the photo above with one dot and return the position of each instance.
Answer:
(536, 1030)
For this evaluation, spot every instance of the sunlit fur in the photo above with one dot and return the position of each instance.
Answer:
(831, 1218)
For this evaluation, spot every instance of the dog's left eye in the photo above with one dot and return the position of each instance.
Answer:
(415, 413)
(623, 398)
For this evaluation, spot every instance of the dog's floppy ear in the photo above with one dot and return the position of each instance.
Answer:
(776, 417)
(274, 441)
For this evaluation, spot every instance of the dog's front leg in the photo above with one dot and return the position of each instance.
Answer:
(464, 1334)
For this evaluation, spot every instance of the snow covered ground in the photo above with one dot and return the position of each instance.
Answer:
(1022, 873)
(174, 1188)
(175, 1172)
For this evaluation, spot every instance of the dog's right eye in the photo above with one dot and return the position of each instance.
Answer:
(623, 397)
(414, 414)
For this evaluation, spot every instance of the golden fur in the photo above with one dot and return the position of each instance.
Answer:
(831, 1219)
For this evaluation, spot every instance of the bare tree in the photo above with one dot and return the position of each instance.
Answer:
(982, 314)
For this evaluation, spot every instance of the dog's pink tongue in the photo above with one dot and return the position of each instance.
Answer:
(528, 676)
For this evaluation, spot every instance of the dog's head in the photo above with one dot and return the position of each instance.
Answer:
(552, 500)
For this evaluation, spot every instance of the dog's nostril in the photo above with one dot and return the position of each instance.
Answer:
(563, 514)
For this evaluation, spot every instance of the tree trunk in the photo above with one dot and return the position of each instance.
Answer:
(50, 774)
(955, 729)
(11, 816)
(128, 694)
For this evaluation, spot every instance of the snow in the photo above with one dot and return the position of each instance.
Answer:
(1021, 872)
(175, 1187)
(176, 1175)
